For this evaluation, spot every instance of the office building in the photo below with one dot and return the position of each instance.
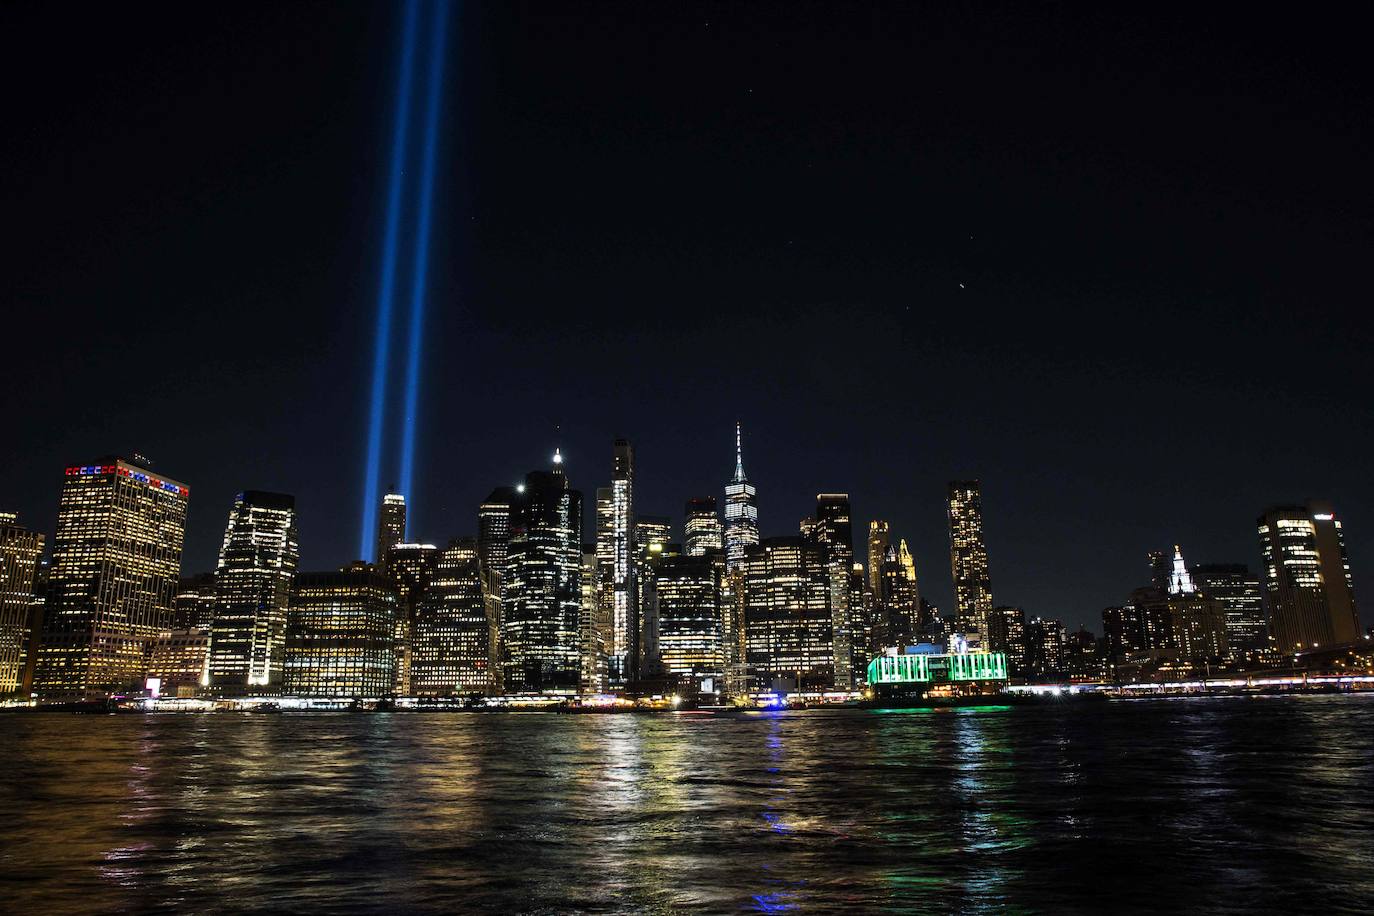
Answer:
(452, 640)
(391, 525)
(542, 596)
(1237, 590)
(618, 566)
(409, 567)
(195, 603)
(257, 560)
(594, 628)
(20, 551)
(1307, 586)
(688, 592)
(741, 510)
(341, 634)
(968, 558)
(701, 530)
(179, 661)
(788, 625)
(832, 529)
(1007, 634)
(112, 585)
(1045, 650)
(879, 539)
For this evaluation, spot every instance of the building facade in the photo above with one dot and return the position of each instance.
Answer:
(257, 561)
(689, 591)
(391, 525)
(788, 626)
(341, 634)
(410, 568)
(741, 510)
(968, 557)
(20, 551)
(833, 529)
(542, 593)
(453, 642)
(1237, 589)
(618, 566)
(112, 585)
(195, 604)
(701, 530)
(1307, 585)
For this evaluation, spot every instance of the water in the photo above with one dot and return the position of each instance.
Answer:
(1209, 805)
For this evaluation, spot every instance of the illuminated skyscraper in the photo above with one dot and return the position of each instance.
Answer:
(494, 518)
(542, 594)
(741, 510)
(1237, 589)
(409, 567)
(195, 604)
(616, 562)
(1180, 580)
(701, 531)
(1307, 582)
(20, 550)
(653, 541)
(688, 598)
(788, 624)
(594, 627)
(879, 536)
(1007, 634)
(968, 557)
(257, 560)
(834, 531)
(341, 634)
(899, 598)
(180, 660)
(391, 525)
(453, 642)
(112, 586)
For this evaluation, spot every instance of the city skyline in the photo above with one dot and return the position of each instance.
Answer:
(927, 199)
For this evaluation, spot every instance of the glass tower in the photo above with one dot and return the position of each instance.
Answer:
(341, 634)
(1307, 581)
(701, 530)
(391, 525)
(252, 590)
(788, 624)
(741, 511)
(20, 550)
(452, 640)
(616, 561)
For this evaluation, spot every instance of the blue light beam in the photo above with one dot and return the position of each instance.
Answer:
(387, 284)
(421, 268)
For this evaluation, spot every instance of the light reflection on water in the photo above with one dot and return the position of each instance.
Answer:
(1226, 805)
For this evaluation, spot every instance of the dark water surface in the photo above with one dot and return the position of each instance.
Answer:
(1210, 805)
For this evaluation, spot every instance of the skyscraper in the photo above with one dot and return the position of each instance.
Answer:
(494, 518)
(879, 536)
(112, 586)
(409, 567)
(616, 562)
(688, 592)
(1180, 580)
(1237, 589)
(968, 557)
(391, 525)
(899, 598)
(20, 550)
(594, 627)
(741, 510)
(452, 640)
(1307, 577)
(701, 531)
(653, 540)
(195, 604)
(834, 530)
(542, 595)
(341, 634)
(1007, 634)
(788, 624)
(252, 590)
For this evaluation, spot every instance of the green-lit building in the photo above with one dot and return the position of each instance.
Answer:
(938, 674)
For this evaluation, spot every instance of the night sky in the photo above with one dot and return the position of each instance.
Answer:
(1111, 264)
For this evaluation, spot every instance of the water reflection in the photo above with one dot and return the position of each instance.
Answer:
(1229, 805)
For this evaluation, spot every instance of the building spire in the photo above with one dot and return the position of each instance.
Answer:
(739, 454)
(1181, 581)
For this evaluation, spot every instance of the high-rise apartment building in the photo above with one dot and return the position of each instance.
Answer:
(788, 625)
(1045, 649)
(20, 550)
(618, 566)
(1307, 584)
(701, 530)
(542, 595)
(341, 634)
(257, 561)
(453, 642)
(1007, 634)
(688, 591)
(409, 567)
(968, 557)
(113, 580)
(1237, 590)
(741, 510)
(391, 525)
